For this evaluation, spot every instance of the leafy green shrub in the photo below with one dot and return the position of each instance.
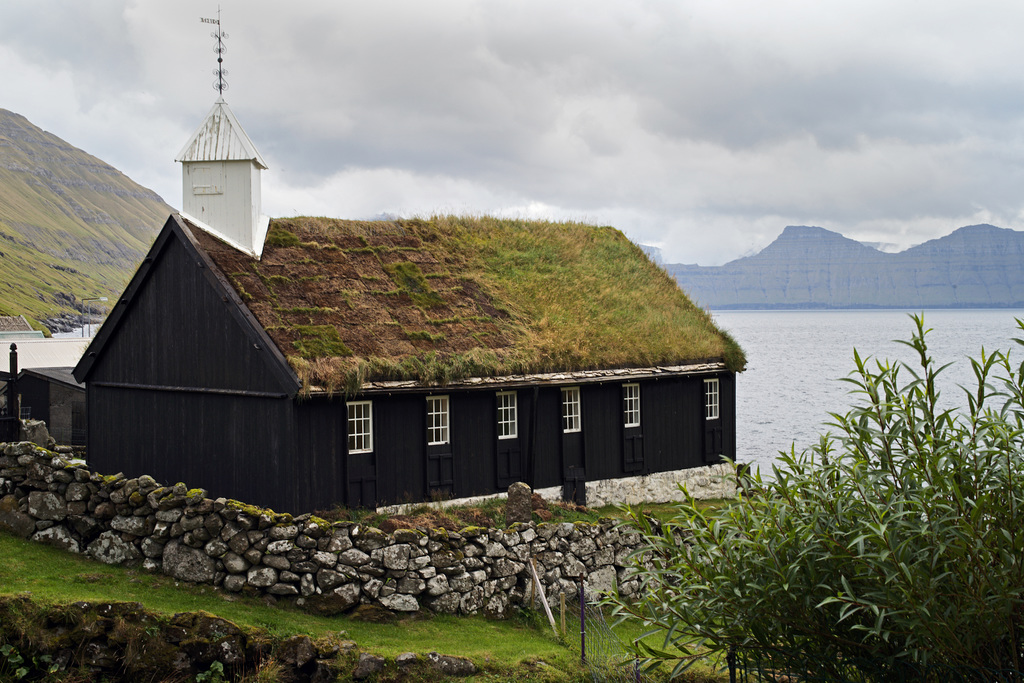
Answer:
(893, 548)
(14, 666)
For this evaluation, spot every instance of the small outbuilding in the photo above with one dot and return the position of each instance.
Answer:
(55, 397)
(321, 362)
(44, 388)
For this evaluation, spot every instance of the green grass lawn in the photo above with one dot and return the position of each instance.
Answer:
(51, 576)
(520, 648)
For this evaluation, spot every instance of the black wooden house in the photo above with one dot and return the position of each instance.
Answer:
(367, 363)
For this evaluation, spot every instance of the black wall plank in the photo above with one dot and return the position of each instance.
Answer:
(233, 446)
(547, 444)
(728, 411)
(321, 453)
(602, 429)
(474, 422)
(35, 394)
(400, 436)
(180, 332)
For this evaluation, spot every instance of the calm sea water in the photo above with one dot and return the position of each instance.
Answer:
(795, 359)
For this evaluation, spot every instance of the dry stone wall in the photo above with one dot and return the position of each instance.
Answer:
(324, 567)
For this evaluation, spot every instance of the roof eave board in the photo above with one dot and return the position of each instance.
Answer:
(544, 378)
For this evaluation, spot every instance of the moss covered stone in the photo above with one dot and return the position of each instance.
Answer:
(408, 535)
(195, 496)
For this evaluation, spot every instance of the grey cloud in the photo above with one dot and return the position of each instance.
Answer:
(92, 38)
(701, 127)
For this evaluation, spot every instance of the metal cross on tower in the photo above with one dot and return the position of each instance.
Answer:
(220, 85)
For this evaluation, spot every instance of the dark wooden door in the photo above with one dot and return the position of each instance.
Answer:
(510, 462)
(712, 441)
(632, 449)
(440, 471)
(574, 475)
(362, 480)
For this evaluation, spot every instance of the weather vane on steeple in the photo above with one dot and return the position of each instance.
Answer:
(220, 85)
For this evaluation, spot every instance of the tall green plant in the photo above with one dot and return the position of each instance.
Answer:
(895, 546)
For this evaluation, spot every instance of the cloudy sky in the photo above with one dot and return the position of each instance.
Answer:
(699, 126)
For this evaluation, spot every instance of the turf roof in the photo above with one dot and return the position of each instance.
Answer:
(453, 297)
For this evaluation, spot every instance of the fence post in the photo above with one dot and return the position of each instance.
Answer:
(561, 604)
(543, 596)
(731, 658)
(533, 589)
(583, 624)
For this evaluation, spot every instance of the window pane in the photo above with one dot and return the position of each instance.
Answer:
(360, 427)
(631, 405)
(571, 409)
(711, 399)
(507, 419)
(437, 420)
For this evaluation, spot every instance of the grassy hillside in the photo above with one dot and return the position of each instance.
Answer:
(71, 226)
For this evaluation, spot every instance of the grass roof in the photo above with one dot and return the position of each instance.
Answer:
(453, 297)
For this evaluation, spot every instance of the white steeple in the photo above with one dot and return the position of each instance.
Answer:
(220, 174)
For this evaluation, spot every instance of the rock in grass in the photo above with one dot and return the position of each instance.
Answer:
(450, 665)
(367, 666)
(519, 507)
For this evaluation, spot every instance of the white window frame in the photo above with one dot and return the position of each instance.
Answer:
(438, 432)
(360, 426)
(712, 399)
(508, 415)
(570, 410)
(631, 405)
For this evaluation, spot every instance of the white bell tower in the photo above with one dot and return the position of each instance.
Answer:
(220, 172)
(220, 175)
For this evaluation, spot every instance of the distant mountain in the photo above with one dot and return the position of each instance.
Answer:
(71, 226)
(653, 253)
(808, 267)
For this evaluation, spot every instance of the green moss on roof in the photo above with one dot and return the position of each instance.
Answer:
(319, 341)
(280, 237)
(411, 282)
(451, 297)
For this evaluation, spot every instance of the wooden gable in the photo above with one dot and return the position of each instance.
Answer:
(179, 326)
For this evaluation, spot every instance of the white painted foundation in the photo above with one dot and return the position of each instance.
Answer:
(711, 481)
